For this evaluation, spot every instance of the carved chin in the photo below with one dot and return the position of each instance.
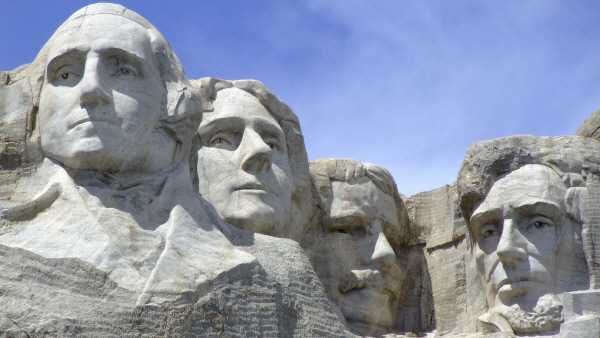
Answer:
(545, 316)
(255, 217)
(367, 308)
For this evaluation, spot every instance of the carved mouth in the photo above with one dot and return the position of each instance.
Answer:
(88, 119)
(368, 279)
(509, 281)
(250, 187)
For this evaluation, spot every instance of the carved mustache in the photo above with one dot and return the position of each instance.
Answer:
(361, 279)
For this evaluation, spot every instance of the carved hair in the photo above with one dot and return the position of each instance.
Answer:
(575, 159)
(326, 170)
(181, 106)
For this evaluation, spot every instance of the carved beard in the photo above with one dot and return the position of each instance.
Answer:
(545, 316)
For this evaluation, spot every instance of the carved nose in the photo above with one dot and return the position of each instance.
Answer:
(383, 254)
(511, 247)
(256, 154)
(92, 87)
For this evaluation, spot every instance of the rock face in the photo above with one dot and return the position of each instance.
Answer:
(134, 202)
(250, 158)
(102, 236)
(353, 246)
(439, 247)
(531, 204)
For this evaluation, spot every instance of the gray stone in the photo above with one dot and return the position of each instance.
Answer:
(581, 313)
(353, 246)
(251, 160)
(134, 202)
(590, 127)
(530, 203)
(102, 232)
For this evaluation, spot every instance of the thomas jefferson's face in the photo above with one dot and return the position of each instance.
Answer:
(101, 99)
(243, 166)
(360, 270)
(517, 228)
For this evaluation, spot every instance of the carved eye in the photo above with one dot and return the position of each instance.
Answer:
(489, 230)
(352, 232)
(218, 140)
(540, 222)
(126, 71)
(64, 73)
(350, 236)
(490, 233)
(272, 142)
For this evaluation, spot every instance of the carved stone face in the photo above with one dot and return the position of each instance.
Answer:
(101, 99)
(517, 229)
(360, 270)
(243, 167)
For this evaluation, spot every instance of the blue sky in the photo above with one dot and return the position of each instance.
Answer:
(407, 85)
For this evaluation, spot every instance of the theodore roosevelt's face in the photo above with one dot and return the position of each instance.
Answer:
(243, 166)
(361, 272)
(101, 99)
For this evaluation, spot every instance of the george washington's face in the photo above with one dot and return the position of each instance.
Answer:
(102, 98)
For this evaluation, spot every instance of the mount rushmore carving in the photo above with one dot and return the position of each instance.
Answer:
(136, 202)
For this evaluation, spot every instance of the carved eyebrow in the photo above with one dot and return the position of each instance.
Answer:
(79, 54)
(354, 221)
(270, 128)
(545, 208)
(62, 57)
(124, 55)
(232, 122)
(481, 217)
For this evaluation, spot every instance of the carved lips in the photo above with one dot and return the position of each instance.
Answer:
(92, 120)
(363, 279)
(250, 187)
(516, 285)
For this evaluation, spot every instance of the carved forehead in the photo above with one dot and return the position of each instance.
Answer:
(362, 197)
(107, 15)
(212, 87)
(113, 23)
(108, 9)
(101, 31)
(531, 176)
(527, 186)
(364, 201)
(571, 158)
(100, 20)
(236, 102)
